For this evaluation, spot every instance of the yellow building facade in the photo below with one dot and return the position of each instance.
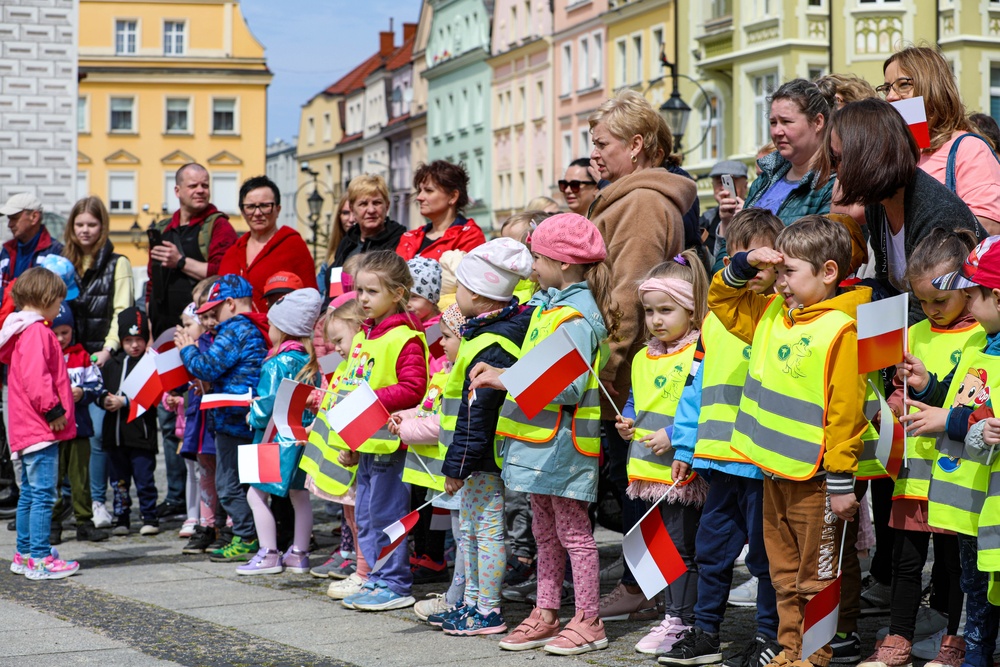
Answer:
(320, 130)
(163, 84)
(638, 31)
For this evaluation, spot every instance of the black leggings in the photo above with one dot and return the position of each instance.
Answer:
(909, 555)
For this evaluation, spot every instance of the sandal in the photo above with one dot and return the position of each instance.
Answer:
(579, 636)
(532, 633)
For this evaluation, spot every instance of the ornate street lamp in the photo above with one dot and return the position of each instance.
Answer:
(315, 202)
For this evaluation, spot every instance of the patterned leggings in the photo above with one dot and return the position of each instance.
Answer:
(561, 526)
(482, 538)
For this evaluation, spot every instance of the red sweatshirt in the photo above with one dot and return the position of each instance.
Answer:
(411, 367)
(286, 251)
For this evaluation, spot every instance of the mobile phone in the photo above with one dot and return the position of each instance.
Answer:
(727, 183)
(155, 237)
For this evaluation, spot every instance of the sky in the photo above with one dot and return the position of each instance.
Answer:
(309, 44)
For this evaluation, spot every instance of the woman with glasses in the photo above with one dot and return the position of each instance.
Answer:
(957, 156)
(442, 193)
(578, 186)
(267, 248)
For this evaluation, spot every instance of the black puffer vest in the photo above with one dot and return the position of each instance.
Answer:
(93, 308)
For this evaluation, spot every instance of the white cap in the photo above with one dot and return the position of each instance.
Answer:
(23, 201)
(494, 269)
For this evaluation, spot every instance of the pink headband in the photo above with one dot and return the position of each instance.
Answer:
(679, 290)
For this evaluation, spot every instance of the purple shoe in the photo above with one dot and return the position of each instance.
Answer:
(267, 561)
(296, 561)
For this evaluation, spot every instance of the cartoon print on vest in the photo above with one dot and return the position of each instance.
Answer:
(974, 392)
(369, 367)
(674, 383)
(746, 353)
(427, 406)
(793, 356)
(956, 356)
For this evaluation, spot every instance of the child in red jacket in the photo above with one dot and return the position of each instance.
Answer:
(41, 397)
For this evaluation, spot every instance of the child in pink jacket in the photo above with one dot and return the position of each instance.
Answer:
(40, 395)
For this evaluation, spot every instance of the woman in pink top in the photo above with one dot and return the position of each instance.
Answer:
(922, 71)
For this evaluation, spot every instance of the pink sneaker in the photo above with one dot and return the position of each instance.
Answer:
(267, 561)
(663, 637)
(50, 567)
(581, 635)
(296, 561)
(532, 633)
(19, 565)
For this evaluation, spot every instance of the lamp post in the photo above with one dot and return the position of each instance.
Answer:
(315, 202)
(135, 232)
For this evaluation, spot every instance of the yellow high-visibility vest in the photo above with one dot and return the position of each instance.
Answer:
(423, 462)
(319, 460)
(723, 373)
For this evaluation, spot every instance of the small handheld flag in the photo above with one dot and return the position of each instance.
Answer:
(358, 416)
(881, 333)
(397, 533)
(328, 364)
(433, 336)
(891, 444)
(336, 282)
(142, 386)
(440, 519)
(212, 401)
(914, 113)
(651, 554)
(259, 464)
(165, 341)
(820, 616)
(171, 368)
(289, 406)
(544, 372)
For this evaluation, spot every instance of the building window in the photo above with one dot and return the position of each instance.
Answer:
(522, 105)
(178, 116)
(82, 114)
(621, 62)
(327, 127)
(566, 84)
(721, 9)
(656, 45)
(584, 141)
(121, 192)
(224, 116)
(567, 148)
(995, 92)
(637, 59)
(173, 38)
(225, 191)
(711, 129)
(816, 72)
(125, 37)
(584, 63)
(512, 28)
(466, 109)
(539, 99)
(763, 86)
(169, 194)
(597, 66)
(477, 107)
(82, 184)
(527, 18)
(122, 114)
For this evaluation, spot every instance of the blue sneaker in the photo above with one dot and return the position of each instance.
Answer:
(438, 619)
(475, 624)
(382, 599)
(366, 589)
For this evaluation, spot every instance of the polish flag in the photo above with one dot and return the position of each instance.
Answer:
(819, 624)
(433, 336)
(397, 533)
(891, 438)
(440, 519)
(336, 282)
(358, 416)
(328, 364)
(212, 401)
(544, 372)
(142, 386)
(881, 333)
(171, 368)
(915, 114)
(165, 341)
(651, 554)
(270, 431)
(289, 405)
(260, 464)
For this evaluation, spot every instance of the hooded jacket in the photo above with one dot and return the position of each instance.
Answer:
(463, 234)
(232, 364)
(411, 365)
(289, 359)
(556, 468)
(640, 217)
(37, 380)
(44, 245)
(740, 310)
(285, 251)
(387, 239)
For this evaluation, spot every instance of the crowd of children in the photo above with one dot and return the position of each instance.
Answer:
(747, 422)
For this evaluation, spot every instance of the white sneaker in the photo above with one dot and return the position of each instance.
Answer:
(187, 530)
(744, 595)
(102, 518)
(149, 529)
(434, 604)
(742, 558)
(339, 590)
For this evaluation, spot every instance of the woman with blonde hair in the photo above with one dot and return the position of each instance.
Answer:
(369, 199)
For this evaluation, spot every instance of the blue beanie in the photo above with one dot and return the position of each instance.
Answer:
(65, 316)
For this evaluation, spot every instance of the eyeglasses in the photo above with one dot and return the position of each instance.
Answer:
(266, 208)
(902, 86)
(573, 185)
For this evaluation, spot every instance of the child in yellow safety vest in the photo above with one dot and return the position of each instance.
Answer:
(801, 415)
(967, 433)
(390, 355)
(553, 456)
(673, 299)
(938, 341)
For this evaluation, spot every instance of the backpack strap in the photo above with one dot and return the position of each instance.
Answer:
(949, 178)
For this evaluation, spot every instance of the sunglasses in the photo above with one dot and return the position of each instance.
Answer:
(573, 185)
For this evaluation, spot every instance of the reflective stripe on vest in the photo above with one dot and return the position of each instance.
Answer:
(723, 373)
(657, 384)
(988, 540)
(374, 361)
(958, 485)
(780, 425)
(869, 467)
(328, 476)
(423, 462)
(513, 423)
(940, 350)
(451, 401)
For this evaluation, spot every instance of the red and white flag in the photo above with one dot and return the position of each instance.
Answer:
(882, 332)
(289, 405)
(915, 114)
(544, 372)
(171, 368)
(142, 386)
(433, 336)
(651, 554)
(358, 416)
(336, 282)
(820, 616)
(165, 341)
(440, 519)
(212, 401)
(259, 464)
(891, 444)
(328, 364)
(397, 533)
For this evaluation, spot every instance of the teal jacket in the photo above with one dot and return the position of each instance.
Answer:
(287, 363)
(556, 468)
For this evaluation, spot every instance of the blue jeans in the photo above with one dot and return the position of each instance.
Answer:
(732, 517)
(232, 494)
(981, 618)
(176, 468)
(633, 509)
(98, 459)
(39, 471)
(382, 499)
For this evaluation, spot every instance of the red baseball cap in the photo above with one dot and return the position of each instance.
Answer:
(982, 268)
(281, 283)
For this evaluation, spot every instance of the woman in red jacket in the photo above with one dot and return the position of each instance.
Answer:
(442, 194)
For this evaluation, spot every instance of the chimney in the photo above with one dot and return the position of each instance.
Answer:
(409, 30)
(385, 47)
